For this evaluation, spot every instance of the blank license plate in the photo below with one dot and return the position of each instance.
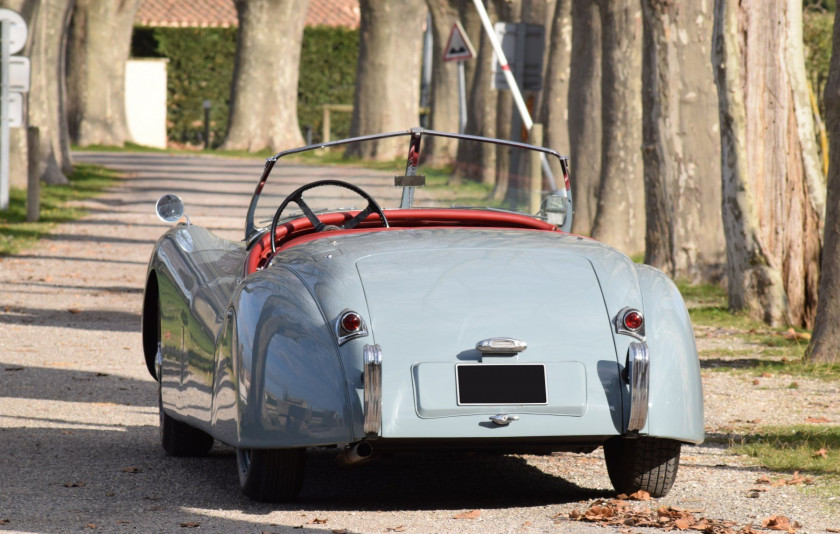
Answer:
(501, 384)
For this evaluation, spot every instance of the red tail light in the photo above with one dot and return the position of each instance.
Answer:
(633, 320)
(351, 322)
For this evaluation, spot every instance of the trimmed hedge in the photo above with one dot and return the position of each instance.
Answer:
(201, 68)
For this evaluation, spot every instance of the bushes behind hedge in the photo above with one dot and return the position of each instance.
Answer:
(201, 68)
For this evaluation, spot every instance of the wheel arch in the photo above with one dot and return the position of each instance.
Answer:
(150, 322)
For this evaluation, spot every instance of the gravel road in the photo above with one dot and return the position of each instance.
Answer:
(78, 411)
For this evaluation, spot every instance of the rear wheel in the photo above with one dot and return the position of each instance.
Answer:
(643, 463)
(271, 475)
(179, 438)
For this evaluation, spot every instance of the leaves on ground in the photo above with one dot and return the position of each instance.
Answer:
(794, 480)
(472, 514)
(620, 513)
(131, 469)
(190, 525)
(317, 521)
(819, 419)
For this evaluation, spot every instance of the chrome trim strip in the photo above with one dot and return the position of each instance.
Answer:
(621, 329)
(501, 345)
(342, 335)
(373, 389)
(639, 378)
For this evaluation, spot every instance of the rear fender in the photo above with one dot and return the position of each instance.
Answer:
(676, 394)
(279, 378)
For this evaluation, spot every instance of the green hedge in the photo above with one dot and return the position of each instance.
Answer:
(201, 68)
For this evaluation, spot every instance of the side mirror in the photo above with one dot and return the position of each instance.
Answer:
(170, 208)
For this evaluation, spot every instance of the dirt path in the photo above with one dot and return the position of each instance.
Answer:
(78, 414)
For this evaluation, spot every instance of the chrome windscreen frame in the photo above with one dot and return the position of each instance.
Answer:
(373, 389)
(639, 378)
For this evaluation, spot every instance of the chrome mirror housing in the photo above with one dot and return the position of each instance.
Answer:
(170, 208)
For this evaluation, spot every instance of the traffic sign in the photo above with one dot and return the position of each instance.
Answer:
(19, 74)
(15, 110)
(18, 31)
(458, 47)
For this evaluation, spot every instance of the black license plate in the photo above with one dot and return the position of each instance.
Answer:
(501, 384)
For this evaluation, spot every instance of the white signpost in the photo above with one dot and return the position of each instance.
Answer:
(14, 76)
(460, 49)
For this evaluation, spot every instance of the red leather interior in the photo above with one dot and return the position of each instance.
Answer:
(300, 230)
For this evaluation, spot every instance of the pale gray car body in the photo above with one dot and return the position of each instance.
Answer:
(254, 360)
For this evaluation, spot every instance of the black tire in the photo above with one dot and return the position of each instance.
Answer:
(274, 475)
(642, 463)
(179, 438)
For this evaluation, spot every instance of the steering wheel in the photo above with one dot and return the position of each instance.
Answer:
(297, 197)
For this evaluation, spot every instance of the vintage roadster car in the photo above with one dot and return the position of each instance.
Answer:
(420, 320)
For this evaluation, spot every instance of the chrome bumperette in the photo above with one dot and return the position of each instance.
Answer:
(373, 389)
(343, 336)
(158, 360)
(501, 345)
(503, 419)
(621, 329)
(639, 378)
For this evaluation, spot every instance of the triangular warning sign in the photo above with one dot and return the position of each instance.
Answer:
(458, 47)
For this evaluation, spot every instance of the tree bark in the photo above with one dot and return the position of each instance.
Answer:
(98, 48)
(390, 46)
(770, 219)
(684, 230)
(620, 219)
(481, 104)
(444, 98)
(825, 341)
(263, 101)
(585, 112)
(48, 35)
(554, 105)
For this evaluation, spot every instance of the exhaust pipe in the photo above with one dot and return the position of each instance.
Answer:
(355, 453)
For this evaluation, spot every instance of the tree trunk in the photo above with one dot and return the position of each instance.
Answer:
(684, 230)
(387, 95)
(620, 219)
(481, 104)
(825, 341)
(585, 112)
(98, 48)
(263, 101)
(770, 219)
(554, 105)
(444, 100)
(48, 35)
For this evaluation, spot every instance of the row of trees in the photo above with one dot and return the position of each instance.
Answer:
(688, 122)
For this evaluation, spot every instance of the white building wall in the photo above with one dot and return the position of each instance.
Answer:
(145, 101)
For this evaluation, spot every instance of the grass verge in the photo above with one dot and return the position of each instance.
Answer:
(808, 448)
(87, 181)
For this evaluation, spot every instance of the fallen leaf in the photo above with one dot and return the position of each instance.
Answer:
(74, 310)
(756, 382)
(317, 521)
(682, 524)
(640, 495)
(91, 525)
(766, 375)
(821, 453)
(472, 514)
(778, 522)
(74, 484)
(819, 419)
(4, 521)
(131, 469)
(763, 479)
(190, 525)
(399, 528)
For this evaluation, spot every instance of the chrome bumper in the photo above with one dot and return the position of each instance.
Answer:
(639, 378)
(373, 389)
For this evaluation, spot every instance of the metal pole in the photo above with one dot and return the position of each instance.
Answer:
(462, 98)
(5, 36)
(206, 124)
(514, 89)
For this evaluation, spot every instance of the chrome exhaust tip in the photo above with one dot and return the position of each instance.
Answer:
(355, 453)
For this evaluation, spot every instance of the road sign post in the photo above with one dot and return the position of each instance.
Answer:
(460, 49)
(14, 76)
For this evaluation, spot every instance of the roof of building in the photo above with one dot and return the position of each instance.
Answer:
(222, 13)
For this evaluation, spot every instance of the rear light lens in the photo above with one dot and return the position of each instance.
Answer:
(351, 322)
(633, 320)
